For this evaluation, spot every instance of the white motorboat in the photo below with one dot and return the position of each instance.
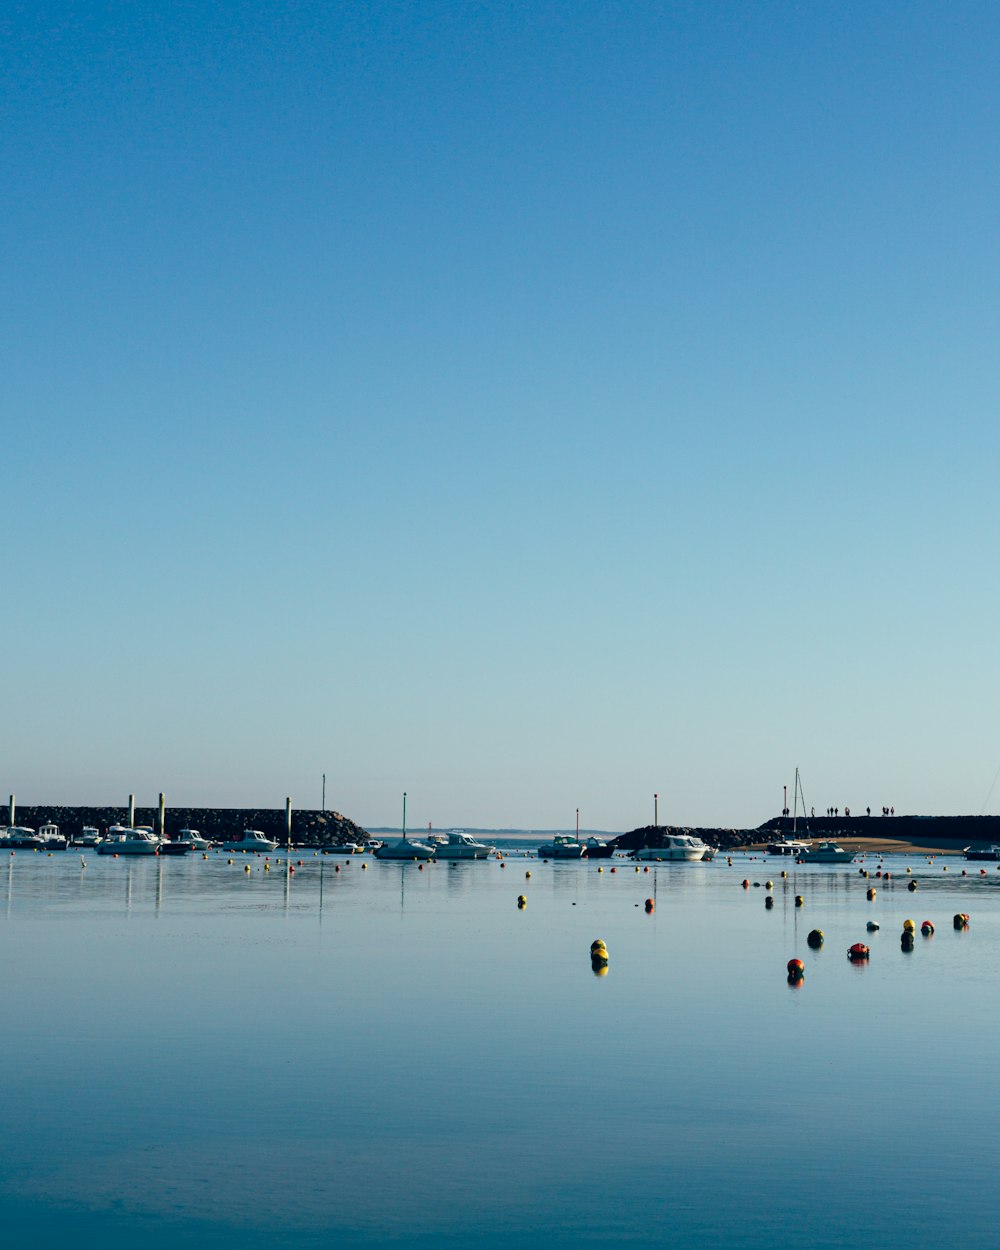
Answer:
(344, 848)
(122, 841)
(676, 846)
(20, 838)
(194, 839)
(826, 853)
(52, 839)
(88, 836)
(787, 846)
(562, 846)
(405, 848)
(461, 845)
(982, 852)
(253, 840)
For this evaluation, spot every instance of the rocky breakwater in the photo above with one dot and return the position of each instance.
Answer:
(309, 828)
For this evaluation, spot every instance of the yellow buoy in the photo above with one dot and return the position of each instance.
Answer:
(522, 901)
(799, 901)
(909, 926)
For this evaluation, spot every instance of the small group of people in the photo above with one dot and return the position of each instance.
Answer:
(835, 811)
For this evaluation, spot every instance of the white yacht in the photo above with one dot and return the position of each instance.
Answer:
(461, 845)
(826, 853)
(676, 846)
(405, 849)
(88, 836)
(344, 848)
(562, 846)
(252, 840)
(787, 846)
(194, 839)
(20, 837)
(122, 841)
(52, 839)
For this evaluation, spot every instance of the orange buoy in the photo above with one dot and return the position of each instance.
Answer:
(650, 904)
(927, 928)
(746, 884)
(796, 969)
(858, 952)
(871, 893)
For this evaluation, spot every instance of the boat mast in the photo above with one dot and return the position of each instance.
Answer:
(795, 800)
(578, 824)
(404, 815)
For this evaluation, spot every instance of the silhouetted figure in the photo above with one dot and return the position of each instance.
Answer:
(847, 811)
(892, 811)
(868, 810)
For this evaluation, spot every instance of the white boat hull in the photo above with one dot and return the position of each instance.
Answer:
(404, 850)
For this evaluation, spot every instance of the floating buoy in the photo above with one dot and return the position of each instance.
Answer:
(784, 872)
(961, 920)
(614, 869)
(908, 926)
(527, 876)
(871, 893)
(906, 940)
(246, 868)
(598, 944)
(799, 900)
(815, 939)
(927, 928)
(872, 927)
(646, 869)
(600, 869)
(364, 867)
(522, 901)
(911, 886)
(746, 884)
(796, 970)
(769, 901)
(858, 952)
(649, 904)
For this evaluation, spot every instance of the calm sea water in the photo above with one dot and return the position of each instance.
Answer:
(196, 1055)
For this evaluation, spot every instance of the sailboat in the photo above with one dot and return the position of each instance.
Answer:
(786, 845)
(405, 848)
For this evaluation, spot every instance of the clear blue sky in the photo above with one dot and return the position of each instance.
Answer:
(529, 406)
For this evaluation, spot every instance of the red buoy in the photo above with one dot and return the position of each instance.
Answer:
(650, 904)
(858, 952)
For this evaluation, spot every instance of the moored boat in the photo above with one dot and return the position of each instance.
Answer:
(787, 846)
(405, 848)
(687, 847)
(982, 852)
(20, 838)
(461, 845)
(826, 853)
(88, 836)
(252, 840)
(562, 846)
(122, 841)
(594, 848)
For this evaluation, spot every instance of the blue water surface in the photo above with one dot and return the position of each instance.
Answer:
(197, 1055)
